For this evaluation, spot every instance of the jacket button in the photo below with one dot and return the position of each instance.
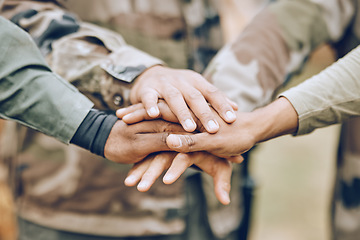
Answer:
(118, 100)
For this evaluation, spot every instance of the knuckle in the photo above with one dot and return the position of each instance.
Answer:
(224, 106)
(164, 136)
(183, 113)
(189, 141)
(204, 115)
(168, 128)
(212, 90)
(195, 95)
(172, 93)
(185, 158)
(226, 186)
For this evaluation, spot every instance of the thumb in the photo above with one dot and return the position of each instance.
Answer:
(188, 143)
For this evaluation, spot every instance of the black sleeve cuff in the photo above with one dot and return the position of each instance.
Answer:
(94, 131)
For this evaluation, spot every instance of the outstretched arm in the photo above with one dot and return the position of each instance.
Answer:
(327, 98)
(276, 119)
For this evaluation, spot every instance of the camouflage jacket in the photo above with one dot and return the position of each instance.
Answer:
(272, 49)
(68, 188)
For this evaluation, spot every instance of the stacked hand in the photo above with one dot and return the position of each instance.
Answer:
(145, 173)
(187, 96)
(210, 138)
(185, 91)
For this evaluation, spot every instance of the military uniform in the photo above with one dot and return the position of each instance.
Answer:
(71, 190)
(22, 71)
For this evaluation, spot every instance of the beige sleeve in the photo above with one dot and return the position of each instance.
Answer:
(330, 97)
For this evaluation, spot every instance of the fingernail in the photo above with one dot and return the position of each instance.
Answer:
(120, 111)
(226, 197)
(167, 178)
(131, 179)
(212, 126)
(230, 115)
(189, 124)
(153, 112)
(127, 116)
(175, 141)
(143, 185)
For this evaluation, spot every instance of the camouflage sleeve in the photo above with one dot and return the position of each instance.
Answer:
(274, 46)
(330, 97)
(33, 95)
(94, 59)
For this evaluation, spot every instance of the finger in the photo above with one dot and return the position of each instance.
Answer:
(180, 163)
(190, 143)
(201, 109)
(178, 106)
(155, 126)
(158, 165)
(222, 181)
(233, 104)
(236, 159)
(168, 115)
(216, 98)
(137, 171)
(166, 112)
(218, 168)
(219, 102)
(120, 113)
(136, 116)
(152, 136)
(150, 99)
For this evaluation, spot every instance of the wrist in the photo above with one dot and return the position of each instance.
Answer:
(276, 119)
(93, 132)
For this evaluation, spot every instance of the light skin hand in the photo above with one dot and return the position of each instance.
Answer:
(132, 143)
(278, 118)
(145, 173)
(183, 90)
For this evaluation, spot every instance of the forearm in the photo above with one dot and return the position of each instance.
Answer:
(274, 120)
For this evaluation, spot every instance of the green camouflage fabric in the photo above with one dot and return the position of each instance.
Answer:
(272, 49)
(67, 188)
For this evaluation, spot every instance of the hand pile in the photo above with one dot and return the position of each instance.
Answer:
(172, 101)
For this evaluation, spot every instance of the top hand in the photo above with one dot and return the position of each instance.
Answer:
(180, 89)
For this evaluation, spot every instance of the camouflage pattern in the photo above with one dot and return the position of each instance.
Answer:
(67, 188)
(270, 51)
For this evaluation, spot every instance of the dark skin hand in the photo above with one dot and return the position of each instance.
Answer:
(132, 143)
